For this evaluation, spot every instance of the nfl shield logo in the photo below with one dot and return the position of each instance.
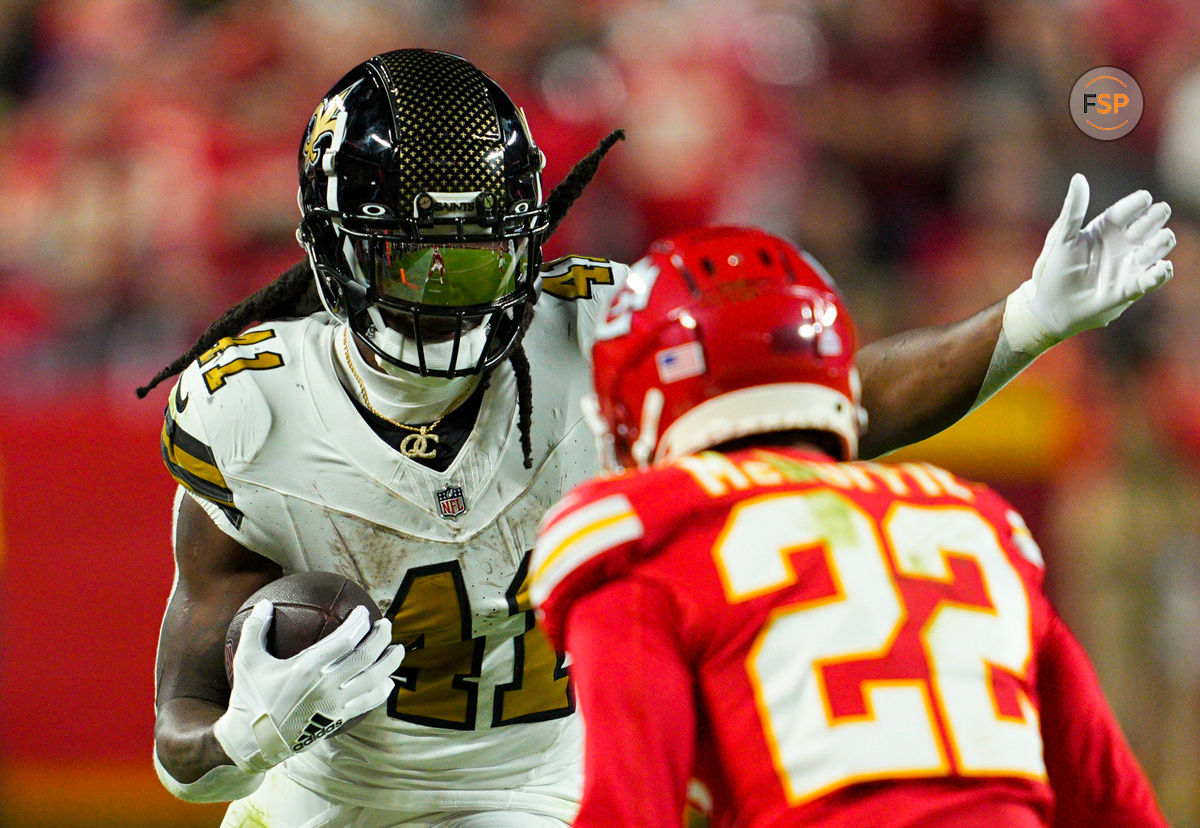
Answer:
(451, 502)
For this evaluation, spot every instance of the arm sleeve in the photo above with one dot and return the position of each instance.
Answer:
(1096, 778)
(635, 693)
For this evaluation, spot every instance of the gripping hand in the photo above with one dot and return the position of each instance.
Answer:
(278, 707)
(1087, 276)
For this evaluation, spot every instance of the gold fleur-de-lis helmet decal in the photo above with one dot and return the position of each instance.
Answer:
(324, 122)
(449, 138)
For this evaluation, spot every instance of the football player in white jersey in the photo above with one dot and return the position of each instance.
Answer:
(378, 422)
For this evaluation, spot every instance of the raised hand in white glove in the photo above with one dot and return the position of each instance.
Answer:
(1086, 277)
(278, 707)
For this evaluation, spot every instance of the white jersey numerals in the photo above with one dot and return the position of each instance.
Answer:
(900, 734)
(964, 643)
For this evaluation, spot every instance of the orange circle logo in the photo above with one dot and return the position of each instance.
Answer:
(1106, 103)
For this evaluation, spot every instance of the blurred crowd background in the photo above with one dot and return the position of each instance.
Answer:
(919, 148)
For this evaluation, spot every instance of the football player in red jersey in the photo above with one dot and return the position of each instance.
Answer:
(358, 413)
(817, 641)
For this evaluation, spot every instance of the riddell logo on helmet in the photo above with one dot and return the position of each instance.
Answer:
(631, 298)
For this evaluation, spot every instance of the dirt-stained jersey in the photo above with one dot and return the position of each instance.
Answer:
(260, 431)
(821, 643)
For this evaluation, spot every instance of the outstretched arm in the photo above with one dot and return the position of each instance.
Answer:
(917, 383)
(920, 382)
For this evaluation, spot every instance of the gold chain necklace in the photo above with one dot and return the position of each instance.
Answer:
(420, 442)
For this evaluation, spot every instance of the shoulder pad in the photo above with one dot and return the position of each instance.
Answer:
(587, 540)
(1008, 521)
(573, 277)
(215, 421)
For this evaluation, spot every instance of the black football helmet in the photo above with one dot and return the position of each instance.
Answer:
(423, 216)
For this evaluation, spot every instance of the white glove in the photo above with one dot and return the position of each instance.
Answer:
(278, 707)
(1086, 278)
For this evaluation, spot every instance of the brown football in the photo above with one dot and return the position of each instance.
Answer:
(308, 606)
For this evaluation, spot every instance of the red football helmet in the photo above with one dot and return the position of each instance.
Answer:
(720, 333)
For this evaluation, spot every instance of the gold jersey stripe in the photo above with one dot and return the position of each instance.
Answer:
(579, 535)
(191, 449)
(189, 462)
(199, 474)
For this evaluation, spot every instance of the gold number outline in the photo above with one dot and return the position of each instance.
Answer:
(216, 377)
(534, 640)
(886, 549)
(531, 652)
(575, 282)
(407, 676)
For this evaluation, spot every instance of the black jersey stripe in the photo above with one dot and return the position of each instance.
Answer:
(217, 494)
(193, 465)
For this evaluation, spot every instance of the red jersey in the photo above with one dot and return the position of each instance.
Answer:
(821, 643)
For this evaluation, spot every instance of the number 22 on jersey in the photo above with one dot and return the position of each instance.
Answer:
(815, 751)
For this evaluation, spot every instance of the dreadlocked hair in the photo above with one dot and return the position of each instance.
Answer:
(291, 295)
(520, 365)
(559, 202)
(294, 294)
(571, 188)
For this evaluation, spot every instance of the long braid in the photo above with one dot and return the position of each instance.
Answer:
(559, 202)
(520, 366)
(294, 293)
(570, 188)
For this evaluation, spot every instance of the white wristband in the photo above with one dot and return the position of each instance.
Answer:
(265, 751)
(1021, 327)
(224, 783)
(1022, 339)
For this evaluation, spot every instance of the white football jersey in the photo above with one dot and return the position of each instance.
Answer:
(262, 433)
